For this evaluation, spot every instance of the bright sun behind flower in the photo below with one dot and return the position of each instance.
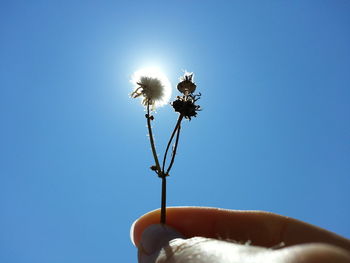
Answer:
(152, 86)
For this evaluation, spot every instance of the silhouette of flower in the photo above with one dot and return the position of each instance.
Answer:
(152, 86)
(186, 106)
(186, 86)
(155, 90)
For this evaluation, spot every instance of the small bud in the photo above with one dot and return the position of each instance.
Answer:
(149, 117)
(186, 86)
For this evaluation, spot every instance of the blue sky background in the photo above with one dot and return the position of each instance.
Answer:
(274, 133)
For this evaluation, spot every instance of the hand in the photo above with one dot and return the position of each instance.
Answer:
(197, 235)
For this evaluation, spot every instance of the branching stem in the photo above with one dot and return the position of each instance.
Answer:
(164, 174)
(161, 170)
(177, 127)
(174, 150)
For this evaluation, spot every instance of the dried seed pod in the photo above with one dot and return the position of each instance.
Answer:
(187, 86)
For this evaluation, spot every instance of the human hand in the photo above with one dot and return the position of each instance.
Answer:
(198, 235)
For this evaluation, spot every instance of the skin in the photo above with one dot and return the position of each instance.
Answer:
(217, 235)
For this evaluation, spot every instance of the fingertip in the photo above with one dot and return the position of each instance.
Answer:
(153, 238)
(140, 224)
(132, 232)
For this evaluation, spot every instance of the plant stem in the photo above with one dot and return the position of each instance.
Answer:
(174, 150)
(163, 201)
(163, 174)
(159, 172)
(177, 126)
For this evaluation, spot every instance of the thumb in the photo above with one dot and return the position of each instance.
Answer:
(153, 239)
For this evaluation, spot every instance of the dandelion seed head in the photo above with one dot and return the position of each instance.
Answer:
(152, 86)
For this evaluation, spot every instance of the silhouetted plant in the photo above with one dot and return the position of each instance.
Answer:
(154, 89)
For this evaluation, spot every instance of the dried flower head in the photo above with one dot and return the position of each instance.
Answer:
(186, 86)
(152, 86)
(186, 105)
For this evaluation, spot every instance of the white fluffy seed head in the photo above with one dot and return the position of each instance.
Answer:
(152, 86)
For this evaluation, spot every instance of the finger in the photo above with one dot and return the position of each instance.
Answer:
(153, 239)
(260, 228)
(160, 243)
(157, 244)
(311, 253)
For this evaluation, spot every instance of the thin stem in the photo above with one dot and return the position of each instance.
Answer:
(174, 150)
(177, 126)
(152, 141)
(163, 201)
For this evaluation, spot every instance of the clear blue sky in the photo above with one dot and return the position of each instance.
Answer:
(274, 133)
